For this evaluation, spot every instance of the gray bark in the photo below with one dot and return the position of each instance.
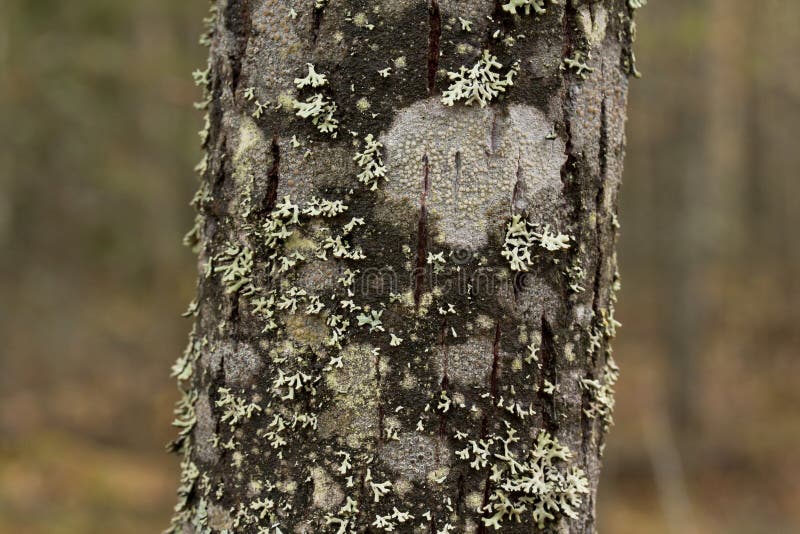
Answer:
(410, 331)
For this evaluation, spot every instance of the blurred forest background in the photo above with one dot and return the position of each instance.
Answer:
(97, 146)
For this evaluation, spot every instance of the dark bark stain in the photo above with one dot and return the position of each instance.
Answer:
(238, 20)
(434, 38)
(548, 355)
(493, 389)
(445, 355)
(445, 384)
(273, 176)
(422, 232)
(493, 381)
(460, 494)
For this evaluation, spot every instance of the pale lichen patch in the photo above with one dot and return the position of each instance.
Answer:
(307, 330)
(414, 456)
(204, 430)
(219, 518)
(327, 493)
(241, 363)
(465, 150)
(468, 363)
(352, 415)
(594, 21)
(251, 142)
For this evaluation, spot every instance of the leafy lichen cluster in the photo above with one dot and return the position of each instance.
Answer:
(533, 482)
(578, 63)
(527, 5)
(317, 107)
(479, 84)
(524, 238)
(370, 161)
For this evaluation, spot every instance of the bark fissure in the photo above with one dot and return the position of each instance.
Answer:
(316, 22)
(422, 232)
(238, 19)
(457, 179)
(273, 176)
(549, 372)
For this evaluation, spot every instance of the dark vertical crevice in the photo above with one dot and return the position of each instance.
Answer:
(238, 20)
(570, 165)
(457, 181)
(587, 425)
(459, 505)
(599, 199)
(316, 23)
(273, 176)
(569, 21)
(434, 43)
(519, 185)
(603, 144)
(494, 377)
(494, 136)
(516, 194)
(493, 382)
(547, 401)
(445, 355)
(422, 232)
(487, 491)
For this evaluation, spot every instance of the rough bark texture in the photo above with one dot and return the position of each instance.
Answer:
(409, 331)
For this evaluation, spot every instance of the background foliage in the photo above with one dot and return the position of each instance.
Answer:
(97, 144)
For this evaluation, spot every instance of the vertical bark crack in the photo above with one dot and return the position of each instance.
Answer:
(547, 401)
(422, 232)
(316, 24)
(493, 379)
(494, 136)
(273, 176)
(519, 185)
(238, 20)
(457, 181)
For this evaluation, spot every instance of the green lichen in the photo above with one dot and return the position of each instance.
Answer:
(541, 482)
(578, 64)
(527, 5)
(317, 107)
(601, 394)
(523, 238)
(236, 267)
(479, 84)
(370, 161)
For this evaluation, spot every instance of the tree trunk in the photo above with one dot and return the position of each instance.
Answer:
(407, 268)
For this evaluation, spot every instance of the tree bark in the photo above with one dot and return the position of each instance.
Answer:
(407, 270)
